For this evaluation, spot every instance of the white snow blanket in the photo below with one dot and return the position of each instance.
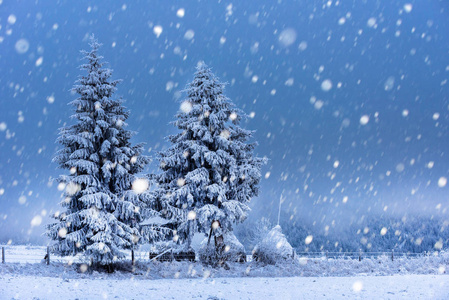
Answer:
(362, 287)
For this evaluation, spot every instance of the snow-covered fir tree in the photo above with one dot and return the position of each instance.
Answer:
(209, 173)
(101, 212)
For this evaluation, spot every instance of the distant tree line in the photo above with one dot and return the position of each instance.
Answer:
(415, 234)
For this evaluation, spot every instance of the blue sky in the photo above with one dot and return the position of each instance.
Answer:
(374, 141)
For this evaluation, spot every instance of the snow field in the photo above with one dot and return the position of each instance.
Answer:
(361, 287)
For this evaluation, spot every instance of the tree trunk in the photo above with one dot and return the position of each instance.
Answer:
(189, 235)
(110, 268)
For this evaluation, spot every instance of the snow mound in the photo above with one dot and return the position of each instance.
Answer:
(274, 248)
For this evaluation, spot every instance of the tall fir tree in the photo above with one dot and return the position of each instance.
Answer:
(209, 173)
(102, 213)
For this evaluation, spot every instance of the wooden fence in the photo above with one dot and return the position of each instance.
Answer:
(37, 254)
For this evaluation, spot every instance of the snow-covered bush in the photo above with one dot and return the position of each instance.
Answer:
(274, 248)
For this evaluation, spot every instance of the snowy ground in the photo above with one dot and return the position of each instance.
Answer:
(377, 278)
(361, 287)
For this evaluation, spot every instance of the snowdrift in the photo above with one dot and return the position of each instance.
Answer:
(274, 248)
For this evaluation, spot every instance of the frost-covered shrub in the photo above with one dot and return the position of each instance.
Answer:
(274, 248)
(444, 257)
(233, 250)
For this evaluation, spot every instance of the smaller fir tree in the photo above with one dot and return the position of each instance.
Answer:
(209, 173)
(101, 214)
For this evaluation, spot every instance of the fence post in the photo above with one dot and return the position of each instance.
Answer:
(392, 254)
(3, 255)
(132, 257)
(360, 254)
(48, 255)
(327, 254)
